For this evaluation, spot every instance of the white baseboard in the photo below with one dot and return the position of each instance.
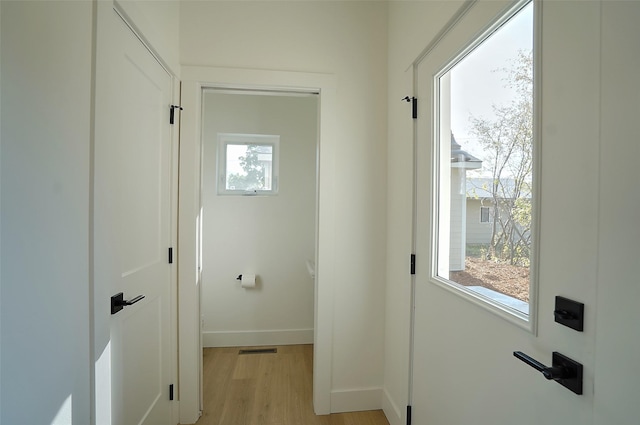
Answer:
(251, 338)
(355, 400)
(391, 410)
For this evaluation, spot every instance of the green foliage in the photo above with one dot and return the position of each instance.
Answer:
(478, 250)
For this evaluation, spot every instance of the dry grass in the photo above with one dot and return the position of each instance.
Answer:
(500, 277)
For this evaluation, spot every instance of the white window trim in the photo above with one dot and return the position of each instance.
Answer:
(525, 321)
(225, 139)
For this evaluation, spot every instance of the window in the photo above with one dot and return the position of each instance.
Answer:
(247, 164)
(484, 214)
(485, 161)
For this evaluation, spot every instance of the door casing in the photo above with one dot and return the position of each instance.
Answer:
(194, 80)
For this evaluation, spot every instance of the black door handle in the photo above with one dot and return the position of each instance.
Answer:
(565, 371)
(118, 302)
(556, 373)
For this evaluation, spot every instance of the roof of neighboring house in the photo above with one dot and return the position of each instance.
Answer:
(462, 159)
(480, 187)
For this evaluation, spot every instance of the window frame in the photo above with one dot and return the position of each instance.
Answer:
(226, 139)
(525, 321)
(482, 214)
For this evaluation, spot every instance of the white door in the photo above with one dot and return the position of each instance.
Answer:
(464, 370)
(133, 191)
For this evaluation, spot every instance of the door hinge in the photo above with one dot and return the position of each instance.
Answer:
(170, 255)
(414, 105)
(408, 415)
(172, 109)
(413, 263)
(171, 392)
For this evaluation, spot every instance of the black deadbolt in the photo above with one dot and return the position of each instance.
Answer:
(569, 313)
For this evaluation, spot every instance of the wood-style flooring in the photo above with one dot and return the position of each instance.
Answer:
(267, 389)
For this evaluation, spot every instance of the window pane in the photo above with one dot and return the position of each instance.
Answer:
(486, 164)
(484, 214)
(249, 167)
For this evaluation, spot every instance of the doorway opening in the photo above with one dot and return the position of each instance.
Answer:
(259, 158)
(195, 84)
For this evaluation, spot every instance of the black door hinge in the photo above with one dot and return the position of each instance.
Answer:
(170, 255)
(172, 109)
(408, 415)
(414, 105)
(413, 263)
(171, 392)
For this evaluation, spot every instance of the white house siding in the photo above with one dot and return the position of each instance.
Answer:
(458, 212)
(477, 232)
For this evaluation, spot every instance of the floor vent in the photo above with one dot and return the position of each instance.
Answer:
(259, 351)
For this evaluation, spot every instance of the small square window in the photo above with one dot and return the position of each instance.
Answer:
(247, 164)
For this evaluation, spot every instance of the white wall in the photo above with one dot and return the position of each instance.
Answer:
(157, 21)
(46, 134)
(271, 236)
(348, 40)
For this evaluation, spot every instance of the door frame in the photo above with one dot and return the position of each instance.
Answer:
(194, 80)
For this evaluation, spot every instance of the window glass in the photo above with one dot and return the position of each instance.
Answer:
(247, 164)
(485, 163)
(484, 214)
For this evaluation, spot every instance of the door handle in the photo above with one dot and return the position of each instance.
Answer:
(118, 302)
(555, 373)
(564, 371)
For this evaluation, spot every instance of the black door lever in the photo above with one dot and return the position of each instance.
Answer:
(118, 302)
(556, 373)
(565, 371)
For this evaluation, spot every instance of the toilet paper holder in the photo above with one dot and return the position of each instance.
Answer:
(247, 281)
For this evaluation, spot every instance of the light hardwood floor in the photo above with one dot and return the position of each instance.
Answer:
(267, 389)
